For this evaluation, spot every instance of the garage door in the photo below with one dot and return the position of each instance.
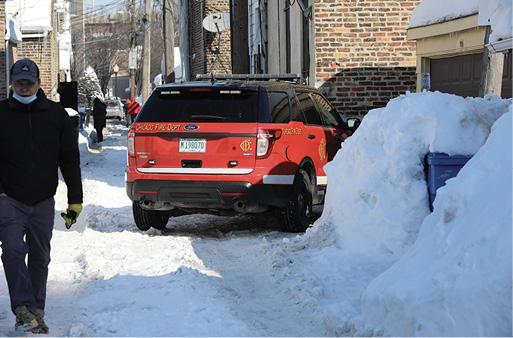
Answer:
(461, 75)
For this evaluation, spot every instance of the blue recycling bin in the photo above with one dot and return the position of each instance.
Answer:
(440, 168)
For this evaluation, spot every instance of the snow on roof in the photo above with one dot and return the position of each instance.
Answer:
(33, 16)
(496, 13)
(430, 12)
(36, 16)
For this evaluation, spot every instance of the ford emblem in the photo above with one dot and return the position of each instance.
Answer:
(191, 127)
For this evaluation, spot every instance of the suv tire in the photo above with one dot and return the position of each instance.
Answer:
(295, 217)
(145, 219)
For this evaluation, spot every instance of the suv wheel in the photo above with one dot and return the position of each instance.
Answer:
(145, 219)
(295, 217)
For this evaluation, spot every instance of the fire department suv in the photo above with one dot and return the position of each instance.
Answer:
(232, 145)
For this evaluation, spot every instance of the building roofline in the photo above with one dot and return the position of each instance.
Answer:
(446, 27)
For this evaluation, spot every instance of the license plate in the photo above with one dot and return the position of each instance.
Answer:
(192, 145)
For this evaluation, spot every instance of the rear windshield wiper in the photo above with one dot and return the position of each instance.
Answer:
(207, 117)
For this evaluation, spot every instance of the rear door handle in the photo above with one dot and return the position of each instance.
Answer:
(311, 137)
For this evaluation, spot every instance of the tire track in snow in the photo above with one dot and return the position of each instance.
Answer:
(248, 284)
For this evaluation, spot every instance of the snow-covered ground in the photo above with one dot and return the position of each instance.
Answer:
(377, 262)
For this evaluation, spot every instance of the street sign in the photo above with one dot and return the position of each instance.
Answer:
(132, 59)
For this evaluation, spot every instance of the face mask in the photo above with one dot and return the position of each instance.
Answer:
(24, 100)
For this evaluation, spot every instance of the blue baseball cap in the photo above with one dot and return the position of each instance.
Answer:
(25, 69)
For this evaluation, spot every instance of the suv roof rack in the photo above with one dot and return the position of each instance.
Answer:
(251, 77)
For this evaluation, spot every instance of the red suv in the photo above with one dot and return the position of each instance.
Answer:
(232, 145)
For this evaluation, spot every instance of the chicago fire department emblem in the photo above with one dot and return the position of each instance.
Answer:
(322, 149)
(245, 145)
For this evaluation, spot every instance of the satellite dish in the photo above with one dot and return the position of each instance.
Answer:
(217, 22)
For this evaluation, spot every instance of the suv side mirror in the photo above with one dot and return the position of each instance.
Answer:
(353, 123)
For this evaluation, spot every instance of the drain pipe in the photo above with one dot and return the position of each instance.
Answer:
(7, 70)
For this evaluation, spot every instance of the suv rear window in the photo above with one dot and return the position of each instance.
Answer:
(200, 105)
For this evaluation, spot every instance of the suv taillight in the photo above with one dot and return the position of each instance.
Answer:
(130, 146)
(264, 143)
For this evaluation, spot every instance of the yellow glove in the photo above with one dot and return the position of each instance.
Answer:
(71, 215)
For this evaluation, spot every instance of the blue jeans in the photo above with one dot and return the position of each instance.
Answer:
(26, 229)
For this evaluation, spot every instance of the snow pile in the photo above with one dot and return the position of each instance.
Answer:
(456, 279)
(430, 12)
(376, 204)
(377, 187)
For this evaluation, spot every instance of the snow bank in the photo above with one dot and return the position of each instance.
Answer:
(376, 205)
(377, 196)
(456, 279)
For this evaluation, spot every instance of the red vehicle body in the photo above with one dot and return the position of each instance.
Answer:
(231, 147)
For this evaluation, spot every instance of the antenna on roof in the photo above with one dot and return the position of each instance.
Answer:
(217, 22)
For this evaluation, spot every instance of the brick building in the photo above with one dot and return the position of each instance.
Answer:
(106, 24)
(42, 51)
(37, 22)
(363, 58)
(355, 51)
(204, 51)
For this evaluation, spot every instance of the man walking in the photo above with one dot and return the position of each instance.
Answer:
(99, 115)
(36, 138)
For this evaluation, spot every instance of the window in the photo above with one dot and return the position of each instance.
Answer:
(296, 111)
(331, 117)
(199, 105)
(311, 116)
(279, 107)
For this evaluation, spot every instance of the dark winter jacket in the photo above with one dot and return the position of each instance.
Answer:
(35, 140)
(99, 113)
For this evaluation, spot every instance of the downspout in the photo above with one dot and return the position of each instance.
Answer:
(288, 46)
(12, 34)
(7, 70)
(184, 40)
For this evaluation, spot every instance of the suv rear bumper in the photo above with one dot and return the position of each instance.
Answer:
(117, 114)
(234, 195)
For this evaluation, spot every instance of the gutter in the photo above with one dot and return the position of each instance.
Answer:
(501, 46)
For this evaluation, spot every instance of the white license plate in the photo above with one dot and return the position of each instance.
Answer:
(192, 145)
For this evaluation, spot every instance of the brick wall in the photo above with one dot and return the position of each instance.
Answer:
(362, 56)
(44, 52)
(39, 50)
(204, 45)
